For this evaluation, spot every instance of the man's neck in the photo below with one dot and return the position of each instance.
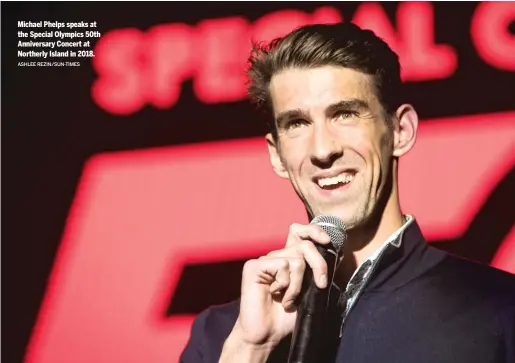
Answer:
(385, 230)
(360, 245)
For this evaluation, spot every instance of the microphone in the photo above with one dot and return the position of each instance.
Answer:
(310, 324)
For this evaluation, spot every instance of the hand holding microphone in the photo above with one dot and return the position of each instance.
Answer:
(273, 283)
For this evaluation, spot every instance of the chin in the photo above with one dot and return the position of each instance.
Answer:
(349, 216)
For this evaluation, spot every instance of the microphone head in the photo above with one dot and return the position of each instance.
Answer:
(334, 227)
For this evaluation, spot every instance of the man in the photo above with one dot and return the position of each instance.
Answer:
(340, 127)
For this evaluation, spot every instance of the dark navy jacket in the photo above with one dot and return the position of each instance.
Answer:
(421, 305)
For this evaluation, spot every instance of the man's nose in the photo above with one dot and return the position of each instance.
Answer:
(325, 146)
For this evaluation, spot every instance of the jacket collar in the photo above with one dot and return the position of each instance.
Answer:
(403, 259)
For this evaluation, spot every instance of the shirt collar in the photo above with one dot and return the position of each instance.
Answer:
(393, 240)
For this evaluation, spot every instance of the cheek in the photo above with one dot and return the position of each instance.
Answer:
(362, 146)
(383, 155)
(370, 150)
(292, 158)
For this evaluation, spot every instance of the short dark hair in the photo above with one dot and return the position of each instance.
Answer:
(342, 44)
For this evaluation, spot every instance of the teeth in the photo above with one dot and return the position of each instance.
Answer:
(342, 178)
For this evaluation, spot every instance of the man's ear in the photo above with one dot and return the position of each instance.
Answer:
(405, 132)
(275, 158)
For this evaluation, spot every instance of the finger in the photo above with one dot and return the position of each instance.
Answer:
(308, 251)
(297, 267)
(258, 275)
(263, 270)
(289, 252)
(300, 232)
(282, 280)
(316, 262)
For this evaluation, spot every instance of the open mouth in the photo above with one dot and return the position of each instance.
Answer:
(335, 182)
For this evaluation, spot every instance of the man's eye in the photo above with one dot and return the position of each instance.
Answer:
(342, 115)
(294, 124)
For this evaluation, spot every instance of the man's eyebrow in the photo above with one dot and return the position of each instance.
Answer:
(285, 116)
(354, 104)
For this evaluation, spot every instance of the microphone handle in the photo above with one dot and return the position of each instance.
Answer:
(310, 325)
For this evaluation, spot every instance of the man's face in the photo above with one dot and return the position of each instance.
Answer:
(333, 140)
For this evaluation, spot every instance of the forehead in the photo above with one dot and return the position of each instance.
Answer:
(315, 88)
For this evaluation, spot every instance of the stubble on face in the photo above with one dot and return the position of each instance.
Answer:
(314, 139)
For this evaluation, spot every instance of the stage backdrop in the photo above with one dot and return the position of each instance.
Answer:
(141, 183)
